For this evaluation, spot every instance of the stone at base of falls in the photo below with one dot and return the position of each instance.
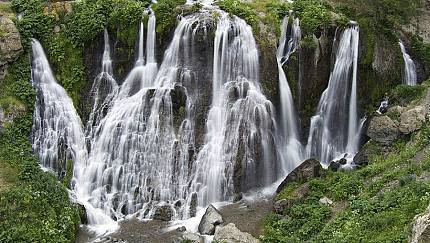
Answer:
(334, 166)
(163, 213)
(231, 234)
(361, 158)
(237, 197)
(412, 120)
(280, 205)
(311, 168)
(382, 129)
(210, 220)
(421, 228)
(192, 237)
(181, 229)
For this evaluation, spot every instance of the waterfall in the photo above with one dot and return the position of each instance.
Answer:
(410, 72)
(139, 161)
(138, 153)
(335, 129)
(288, 44)
(56, 124)
(104, 89)
(239, 141)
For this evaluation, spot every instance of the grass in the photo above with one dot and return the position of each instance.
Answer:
(374, 204)
(8, 177)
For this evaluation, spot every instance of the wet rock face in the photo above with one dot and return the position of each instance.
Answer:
(421, 228)
(10, 44)
(412, 120)
(231, 234)
(210, 220)
(315, 68)
(311, 168)
(163, 213)
(382, 129)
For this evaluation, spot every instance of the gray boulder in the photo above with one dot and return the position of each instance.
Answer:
(311, 168)
(412, 120)
(210, 220)
(421, 228)
(192, 237)
(163, 213)
(382, 129)
(361, 158)
(10, 44)
(280, 205)
(231, 234)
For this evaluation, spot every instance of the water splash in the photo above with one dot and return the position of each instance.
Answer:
(410, 72)
(335, 129)
(288, 44)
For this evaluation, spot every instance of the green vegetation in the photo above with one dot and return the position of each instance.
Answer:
(36, 207)
(242, 10)
(166, 13)
(373, 204)
(313, 14)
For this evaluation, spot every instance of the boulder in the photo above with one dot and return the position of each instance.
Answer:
(280, 205)
(298, 194)
(412, 120)
(361, 158)
(326, 201)
(421, 228)
(310, 168)
(334, 166)
(231, 234)
(163, 213)
(10, 44)
(210, 220)
(192, 237)
(382, 129)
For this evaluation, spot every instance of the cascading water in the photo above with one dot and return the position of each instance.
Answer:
(288, 44)
(141, 135)
(335, 129)
(57, 127)
(410, 72)
(238, 153)
(103, 91)
(139, 162)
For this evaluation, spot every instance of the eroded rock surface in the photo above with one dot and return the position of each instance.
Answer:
(10, 44)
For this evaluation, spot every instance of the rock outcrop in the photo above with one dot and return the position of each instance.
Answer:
(412, 120)
(311, 168)
(382, 129)
(163, 213)
(230, 234)
(10, 44)
(192, 237)
(210, 220)
(421, 228)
